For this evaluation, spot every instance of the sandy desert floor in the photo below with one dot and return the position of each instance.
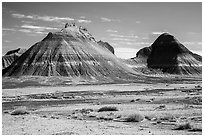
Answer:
(170, 109)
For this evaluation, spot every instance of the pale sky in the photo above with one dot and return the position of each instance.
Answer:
(128, 27)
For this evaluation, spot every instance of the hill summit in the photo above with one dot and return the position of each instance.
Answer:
(166, 55)
(71, 52)
(169, 55)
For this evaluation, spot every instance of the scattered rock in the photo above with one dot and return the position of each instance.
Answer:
(148, 118)
(161, 107)
(159, 122)
(152, 99)
(141, 129)
(155, 123)
(100, 118)
(198, 86)
(198, 118)
(161, 93)
(74, 117)
(149, 101)
(108, 118)
(54, 117)
(98, 103)
(154, 119)
(80, 118)
(118, 116)
(67, 97)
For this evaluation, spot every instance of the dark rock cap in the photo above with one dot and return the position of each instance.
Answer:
(106, 45)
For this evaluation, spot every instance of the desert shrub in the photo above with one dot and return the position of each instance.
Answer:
(134, 118)
(19, 111)
(108, 108)
(86, 111)
(169, 118)
(183, 126)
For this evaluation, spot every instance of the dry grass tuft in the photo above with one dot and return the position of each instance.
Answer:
(134, 118)
(183, 126)
(108, 108)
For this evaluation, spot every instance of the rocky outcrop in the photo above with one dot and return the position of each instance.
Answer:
(106, 45)
(144, 52)
(139, 63)
(16, 51)
(11, 56)
(169, 55)
(71, 52)
(8, 59)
